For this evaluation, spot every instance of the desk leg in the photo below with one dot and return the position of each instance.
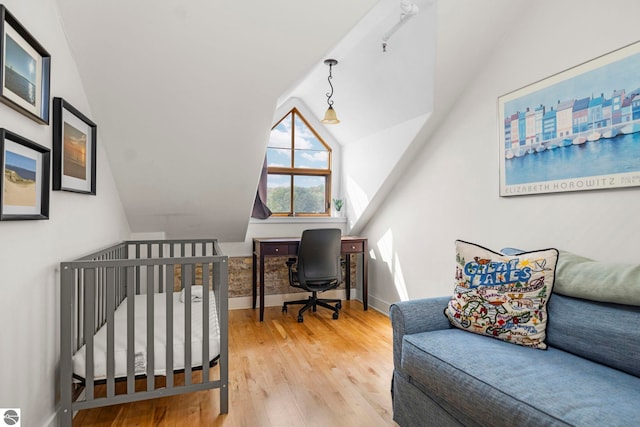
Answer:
(254, 283)
(347, 274)
(261, 286)
(365, 276)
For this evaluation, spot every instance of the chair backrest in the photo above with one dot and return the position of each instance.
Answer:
(319, 256)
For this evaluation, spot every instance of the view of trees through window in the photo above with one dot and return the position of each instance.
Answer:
(299, 168)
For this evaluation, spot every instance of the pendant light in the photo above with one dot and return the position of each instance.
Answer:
(330, 116)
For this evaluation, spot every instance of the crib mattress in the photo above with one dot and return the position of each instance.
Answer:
(160, 342)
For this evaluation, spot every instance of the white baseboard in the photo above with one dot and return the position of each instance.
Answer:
(277, 300)
(379, 305)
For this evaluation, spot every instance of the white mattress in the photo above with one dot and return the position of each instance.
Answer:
(120, 338)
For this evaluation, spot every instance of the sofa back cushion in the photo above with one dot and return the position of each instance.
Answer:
(603, 332)
(582, 277)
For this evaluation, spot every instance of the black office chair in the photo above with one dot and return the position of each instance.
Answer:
(318, 269)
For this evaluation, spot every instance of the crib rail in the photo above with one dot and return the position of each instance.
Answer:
(94, 286)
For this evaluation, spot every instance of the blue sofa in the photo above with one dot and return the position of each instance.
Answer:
(588, 376)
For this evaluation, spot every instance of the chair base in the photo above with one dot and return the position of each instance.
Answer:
(312, 302)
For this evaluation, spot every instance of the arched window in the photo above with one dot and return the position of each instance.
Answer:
(299, 169)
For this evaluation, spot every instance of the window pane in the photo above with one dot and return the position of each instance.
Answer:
(309, 151)
(279, 157)
(279, 193)
(309, 194)
(305, 138)
(308, 159)
(281, 134)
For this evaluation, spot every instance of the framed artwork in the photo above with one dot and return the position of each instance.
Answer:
(24, 70)
(74, 149)
(24, 188)
(576, 130)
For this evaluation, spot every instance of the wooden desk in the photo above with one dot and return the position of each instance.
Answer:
(264, 247)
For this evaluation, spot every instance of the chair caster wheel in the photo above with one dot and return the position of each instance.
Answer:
(300, 319)
(335, 316)
(284, 308)
(339, 305)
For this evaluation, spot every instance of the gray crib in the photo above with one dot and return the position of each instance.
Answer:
(135, 314)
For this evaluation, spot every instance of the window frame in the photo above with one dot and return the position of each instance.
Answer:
(292, 171)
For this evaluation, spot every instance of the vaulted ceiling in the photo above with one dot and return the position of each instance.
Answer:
(184, 92)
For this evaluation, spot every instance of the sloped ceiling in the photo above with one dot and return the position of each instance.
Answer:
(184, 93)
(376, 88)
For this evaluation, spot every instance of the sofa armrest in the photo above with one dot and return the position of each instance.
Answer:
(411, 317)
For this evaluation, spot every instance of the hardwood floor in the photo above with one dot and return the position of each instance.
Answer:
(321, 372)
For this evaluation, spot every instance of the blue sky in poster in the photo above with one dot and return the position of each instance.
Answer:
(22, 162)
(621, 74)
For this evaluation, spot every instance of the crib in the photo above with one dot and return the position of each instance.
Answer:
(133, 324)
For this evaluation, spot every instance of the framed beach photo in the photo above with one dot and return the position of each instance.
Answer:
(24, 70)
(24, 188)
(576, 130)
(74, 149)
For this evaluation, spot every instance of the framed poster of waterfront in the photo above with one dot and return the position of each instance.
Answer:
(576, 130)
(24, 70)
(74, 149)
(24, 187)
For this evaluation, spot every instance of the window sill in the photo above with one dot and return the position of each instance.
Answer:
(299, 219)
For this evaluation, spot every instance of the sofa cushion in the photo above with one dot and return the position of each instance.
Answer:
(502, 296)
(603, 332)
(581, 277)
(507, 385)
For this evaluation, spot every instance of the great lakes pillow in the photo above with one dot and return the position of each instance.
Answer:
(502, 296)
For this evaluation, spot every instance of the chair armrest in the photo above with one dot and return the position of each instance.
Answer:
(293, 275)
(411, 317)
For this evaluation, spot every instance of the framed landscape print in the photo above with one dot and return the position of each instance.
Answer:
(576, 130)
(24, 188)
(24, 70)
(74, 149)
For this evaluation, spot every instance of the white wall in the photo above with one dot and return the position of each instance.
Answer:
(369, 162)
(30, 251)
(451, 189)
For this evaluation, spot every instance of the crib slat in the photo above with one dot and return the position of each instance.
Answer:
(150, 328)
(169, 323)
(205, 322)
(131, 380)
(111, 295)
(89, 328)
(137, 269)
(161, 270)
(186, 272)
(79, 319)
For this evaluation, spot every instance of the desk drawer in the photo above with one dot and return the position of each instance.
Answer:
(352, 247)
(279, 249)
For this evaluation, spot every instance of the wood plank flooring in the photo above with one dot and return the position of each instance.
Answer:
(321, 372)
